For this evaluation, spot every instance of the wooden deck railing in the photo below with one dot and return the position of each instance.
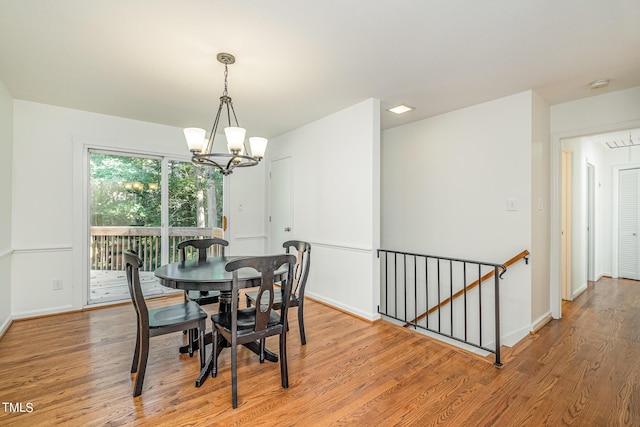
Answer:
(108, 243)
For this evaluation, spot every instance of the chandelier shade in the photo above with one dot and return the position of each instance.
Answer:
(237, 155)
(195, 138)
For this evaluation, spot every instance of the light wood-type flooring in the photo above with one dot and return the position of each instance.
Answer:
(583, 370)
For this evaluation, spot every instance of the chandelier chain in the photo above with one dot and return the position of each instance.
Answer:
(226, 73)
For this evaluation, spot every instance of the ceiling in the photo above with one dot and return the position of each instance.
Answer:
(296, 61)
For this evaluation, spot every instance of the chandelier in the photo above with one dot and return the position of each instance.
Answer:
(237, 155)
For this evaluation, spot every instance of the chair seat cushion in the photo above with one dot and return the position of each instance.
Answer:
(174, 314)
(246, 319)
(203, 297)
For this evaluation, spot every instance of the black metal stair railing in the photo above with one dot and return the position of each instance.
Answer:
(444, 295)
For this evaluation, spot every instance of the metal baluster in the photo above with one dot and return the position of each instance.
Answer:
(426, 286)
(395, 282)
(497, 315)
(415, 289)
(451, 296)
(439, 298)
(404, 279)
(464, 284)
(480, 300)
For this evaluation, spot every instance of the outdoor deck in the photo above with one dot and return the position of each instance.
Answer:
(109, 286)
(108, 282)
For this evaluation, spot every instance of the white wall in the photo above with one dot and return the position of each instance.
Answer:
(336, 203)
(584, 151)
(588, 116)
(48, 196)
(445, 185)
(246, 211)
(6, 148)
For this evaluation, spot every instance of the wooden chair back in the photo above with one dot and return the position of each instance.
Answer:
(266, 266)
(301, 269)
(201, 245)
(132, 264)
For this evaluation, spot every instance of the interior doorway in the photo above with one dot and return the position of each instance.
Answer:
(591, 223)
(595, 250)
(566, 224)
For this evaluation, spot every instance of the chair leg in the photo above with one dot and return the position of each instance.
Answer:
(203, 347)
(214, 355)
(284, 369)
(234, 376)
(185, 300)
(303, 337)
(192, 333)
(142, 363)
(136, 352)
(262, 350)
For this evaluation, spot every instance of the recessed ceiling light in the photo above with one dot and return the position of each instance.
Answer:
(400, 109)
(597, 84)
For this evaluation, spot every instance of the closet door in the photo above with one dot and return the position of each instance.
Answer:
(628, 227)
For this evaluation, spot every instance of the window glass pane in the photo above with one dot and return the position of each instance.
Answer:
(195, 204)
(125, 191)
(125, 203)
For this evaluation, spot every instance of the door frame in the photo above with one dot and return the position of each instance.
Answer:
(567, 196)
(615, 200)
(81, 208)
(591, 223)
(555, 252)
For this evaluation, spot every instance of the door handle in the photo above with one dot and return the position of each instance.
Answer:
(287, 229)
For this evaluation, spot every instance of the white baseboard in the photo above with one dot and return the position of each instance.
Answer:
(578, 292)
(514, 337)
(541, 321)
(5, 325)
(44, 312)
(346, 308)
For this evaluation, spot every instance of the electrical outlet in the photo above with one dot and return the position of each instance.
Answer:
(57, 284)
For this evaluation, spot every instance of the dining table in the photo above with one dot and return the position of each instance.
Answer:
(210, 275)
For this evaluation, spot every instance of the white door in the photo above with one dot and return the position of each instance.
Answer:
(628, 262)
(281, 216)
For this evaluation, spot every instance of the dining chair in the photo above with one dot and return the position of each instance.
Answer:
(202, 245)
(300, 274)
(158, 321)
(242, 326)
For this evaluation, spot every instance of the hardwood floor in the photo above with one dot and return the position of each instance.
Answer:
(582, 370)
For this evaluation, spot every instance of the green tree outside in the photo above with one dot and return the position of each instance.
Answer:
(126, 191)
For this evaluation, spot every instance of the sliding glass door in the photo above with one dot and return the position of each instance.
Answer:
(147, 204)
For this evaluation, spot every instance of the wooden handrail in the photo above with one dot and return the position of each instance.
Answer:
(490, 274)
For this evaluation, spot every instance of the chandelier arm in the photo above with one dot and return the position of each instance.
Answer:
(230, 104)
(214, 129)
(235, 161)
(227, 102)
(244, 162)
(205, 161)
(234, 112)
